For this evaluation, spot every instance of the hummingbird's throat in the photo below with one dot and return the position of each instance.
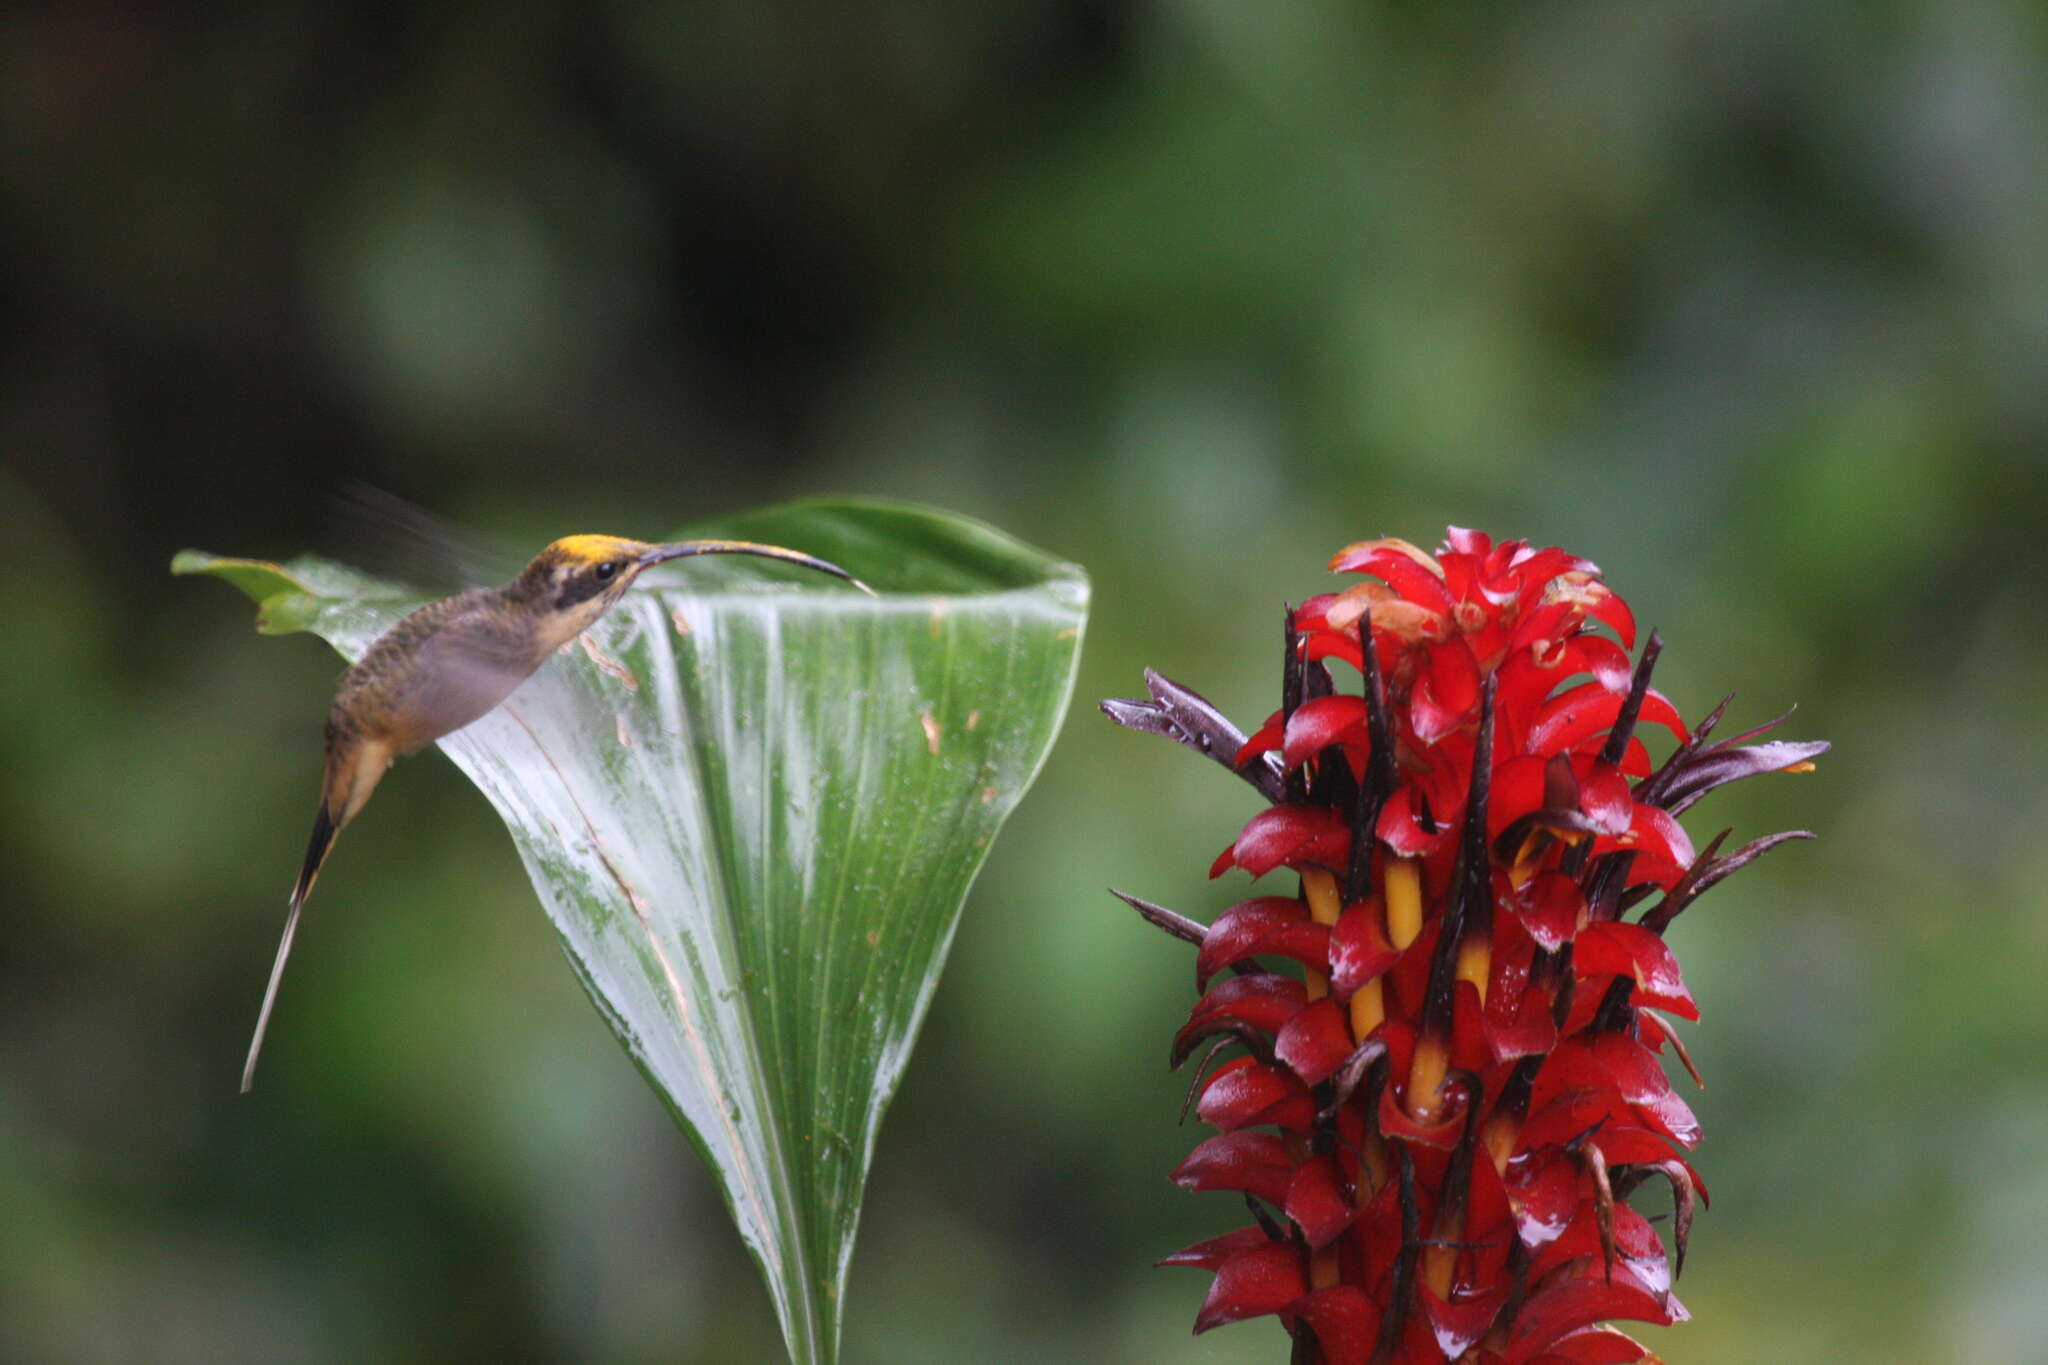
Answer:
(571, 618)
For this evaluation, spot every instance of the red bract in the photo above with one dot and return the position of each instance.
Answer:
(1450, 1077)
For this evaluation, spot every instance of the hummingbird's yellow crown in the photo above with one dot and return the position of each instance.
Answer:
(593, 549)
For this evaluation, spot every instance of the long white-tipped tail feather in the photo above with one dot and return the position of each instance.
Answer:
(284, 950)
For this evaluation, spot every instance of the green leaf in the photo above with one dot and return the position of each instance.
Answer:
(753, 802)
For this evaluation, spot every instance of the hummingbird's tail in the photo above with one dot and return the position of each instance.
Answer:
(325, 827)
(353, 769)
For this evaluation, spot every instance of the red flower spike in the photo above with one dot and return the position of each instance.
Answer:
(1345, 1321)
(1211, 1255)
(1409, 573)
(1265, 1000)
(1469, 1048)
(1663, 851)
(1268, 925)
(1605, 801)
(1545, 629)
(1289, 836)
(1489, 1217)
(1245, 1091)
(1318, 1203)
(1483, 1218)
(1358, 949)
(1441, 1133)
(1601, 1346)
(1573, 1114)
(1458, 1325)
(1612, 612)
(1264, 740)
(1586, 711)
(1632, 1068)
(1635, 1244)
(1251, 1283)
(1324, 644)
(1550, 906)
(1656, 1032)
(1613, 948)
(1573, 1303)
(1467, 541)
(1315, 1042)
(1530, 1031)
(1321, 722)
(1402, 829)
(1543, 1191)
(1672, 1117)
(1255, 1163)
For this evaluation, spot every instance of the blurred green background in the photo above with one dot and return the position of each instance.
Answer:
(1748, 302)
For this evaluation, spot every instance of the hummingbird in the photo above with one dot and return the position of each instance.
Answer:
(450, 662)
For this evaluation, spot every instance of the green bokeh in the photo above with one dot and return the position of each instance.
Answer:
(1748, 303)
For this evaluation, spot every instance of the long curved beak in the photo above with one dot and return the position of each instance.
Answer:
(683, 549)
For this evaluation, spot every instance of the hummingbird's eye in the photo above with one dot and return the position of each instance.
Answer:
(606, 571)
